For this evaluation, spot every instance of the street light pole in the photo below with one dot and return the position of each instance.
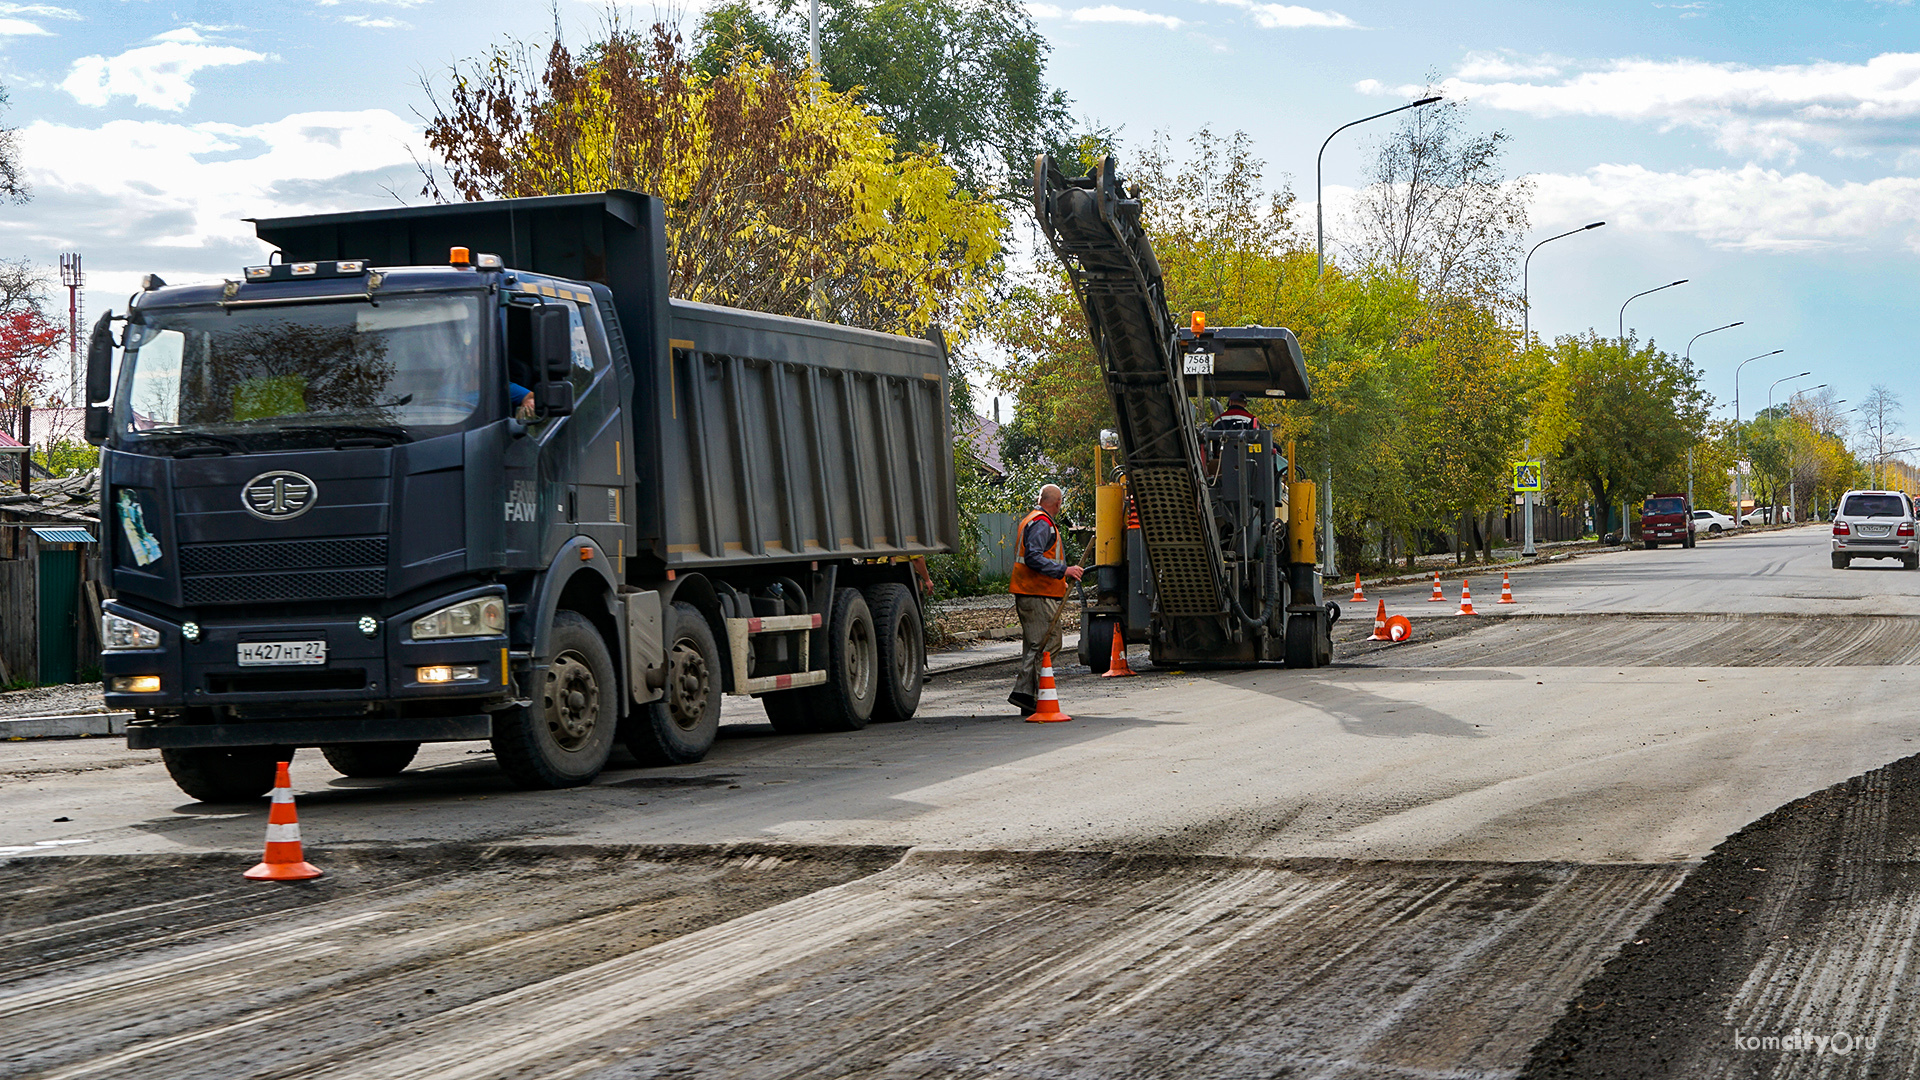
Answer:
(1770, 386)
(1526, 265)
(1690, 342)
(1319, 268)
(1636, 296)
(1740, 479)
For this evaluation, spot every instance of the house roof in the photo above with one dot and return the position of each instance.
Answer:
(983, 439)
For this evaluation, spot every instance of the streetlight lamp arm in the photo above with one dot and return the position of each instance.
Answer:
(1636, 296)
(1319, 210)
(1526, 268)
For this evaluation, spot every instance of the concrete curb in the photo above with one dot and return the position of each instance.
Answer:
(73, 726)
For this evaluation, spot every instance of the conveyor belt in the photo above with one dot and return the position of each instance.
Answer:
(1094, 227)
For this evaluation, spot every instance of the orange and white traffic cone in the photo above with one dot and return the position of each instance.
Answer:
(1048, 698)
(1506, 590)
(1358, 596)
(1380, 624)
(1399, 628)
(1438, 597)
(283, 861)
(1466, 600)
(1117, 666)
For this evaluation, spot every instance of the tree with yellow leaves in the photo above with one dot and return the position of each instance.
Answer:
(782, 195)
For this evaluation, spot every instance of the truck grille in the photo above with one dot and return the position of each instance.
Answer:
(284, 570)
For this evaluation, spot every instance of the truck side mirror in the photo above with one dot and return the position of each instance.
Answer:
(552, 342)
(98, 419)
(100, 360)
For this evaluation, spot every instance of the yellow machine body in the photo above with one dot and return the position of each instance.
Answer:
(1109, 525)
(1301, 506)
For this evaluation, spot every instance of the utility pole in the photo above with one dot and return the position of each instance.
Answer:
(73, 279)
(813, 36)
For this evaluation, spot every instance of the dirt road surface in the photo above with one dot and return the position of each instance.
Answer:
(1407, 865)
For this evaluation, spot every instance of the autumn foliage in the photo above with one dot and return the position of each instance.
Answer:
(781, 194)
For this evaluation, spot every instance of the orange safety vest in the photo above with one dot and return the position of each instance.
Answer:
(1026, 580)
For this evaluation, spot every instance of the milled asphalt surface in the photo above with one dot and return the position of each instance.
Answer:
(1403, 865)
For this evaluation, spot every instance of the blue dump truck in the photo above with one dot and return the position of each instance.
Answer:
(468, 472)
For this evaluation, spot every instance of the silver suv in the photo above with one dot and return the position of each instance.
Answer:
(1874, 525)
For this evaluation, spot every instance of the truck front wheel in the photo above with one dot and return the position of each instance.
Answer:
(224, 775)
(680, 728)
(371, 759)
(901, 651)
(563, 739)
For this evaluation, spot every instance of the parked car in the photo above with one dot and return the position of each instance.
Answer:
(1712, 523)
(1666, 519)
(1763, 515)
(1875, 525)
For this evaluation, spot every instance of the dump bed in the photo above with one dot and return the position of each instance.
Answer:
(755, 437)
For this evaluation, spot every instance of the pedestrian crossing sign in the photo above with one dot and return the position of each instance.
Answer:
(1526, 476)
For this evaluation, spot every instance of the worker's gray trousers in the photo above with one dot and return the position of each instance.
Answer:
(1036, 615)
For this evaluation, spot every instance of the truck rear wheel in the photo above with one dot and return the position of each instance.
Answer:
(219, 774)
(680, 728)
(845, 701)
(563, 738)
(371, 759)
(901, 651)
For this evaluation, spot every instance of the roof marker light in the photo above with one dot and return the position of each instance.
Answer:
(488, 262)
(259, 273)
(459, 257)
(350, 266)
(305, 269)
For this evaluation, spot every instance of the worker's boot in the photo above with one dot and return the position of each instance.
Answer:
(1024, 702)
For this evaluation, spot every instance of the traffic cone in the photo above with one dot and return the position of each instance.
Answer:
(1117, 667)
(283, 861)
(1466, 600)
(1358, 596)
(1438, 597)
(1506, 590)
(1399, 628)
(1048, 697)
(1380, 624)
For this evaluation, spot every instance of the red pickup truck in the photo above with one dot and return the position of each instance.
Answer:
(1666, 519)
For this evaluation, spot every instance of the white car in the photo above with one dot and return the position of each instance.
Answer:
(1711, 523)
(1875, 525)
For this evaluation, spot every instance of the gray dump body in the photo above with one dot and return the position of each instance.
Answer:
(756, 438)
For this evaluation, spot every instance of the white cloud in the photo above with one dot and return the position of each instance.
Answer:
(1104, 13)
(1507, 65)
(1108, 13)
(1770, 111)
(1292, 17)
(20, 28)
(1750, 208)
(159, 76)
(172, 194)
(370, 23)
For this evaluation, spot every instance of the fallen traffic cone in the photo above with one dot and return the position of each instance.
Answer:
(1380, 624)
(283, 861)
(1466, 600)
(1438, 597)
(1358, 596)
(1506, 590)
(1048, 697)
(1399, 628)
(1116, 667)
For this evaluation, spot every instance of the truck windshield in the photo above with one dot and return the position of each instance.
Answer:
(1662, 506)
(409, 363)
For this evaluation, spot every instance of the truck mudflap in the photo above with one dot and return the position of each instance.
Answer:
(152, 735)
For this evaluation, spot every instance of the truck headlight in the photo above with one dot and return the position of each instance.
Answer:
(118, 633)
(486, 615)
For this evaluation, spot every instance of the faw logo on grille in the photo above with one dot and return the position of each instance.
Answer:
(278, 496)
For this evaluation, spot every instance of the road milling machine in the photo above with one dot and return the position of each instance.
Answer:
(1203, 538)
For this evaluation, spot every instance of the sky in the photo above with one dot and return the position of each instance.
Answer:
(1769, 153)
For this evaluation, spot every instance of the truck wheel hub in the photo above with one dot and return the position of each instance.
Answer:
(572, 701)
(689, 686)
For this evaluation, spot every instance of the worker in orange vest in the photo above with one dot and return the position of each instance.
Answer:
(1039, 587)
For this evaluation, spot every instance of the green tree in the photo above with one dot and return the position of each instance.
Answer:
(1625, 417)
(738, 32)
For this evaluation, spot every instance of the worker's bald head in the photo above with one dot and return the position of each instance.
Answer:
(1050, 496)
